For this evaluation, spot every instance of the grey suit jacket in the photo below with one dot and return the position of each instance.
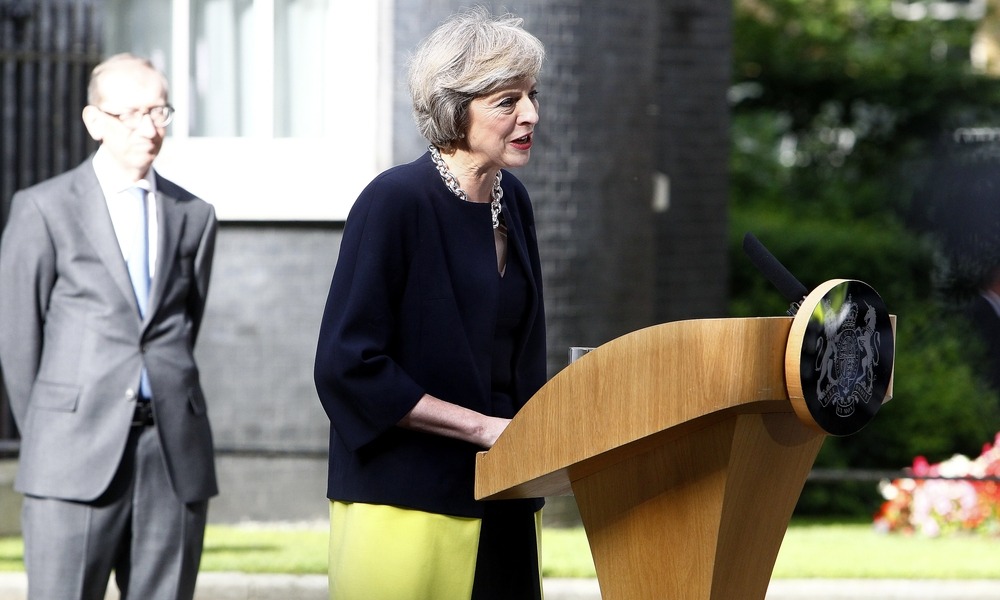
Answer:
(72, 343)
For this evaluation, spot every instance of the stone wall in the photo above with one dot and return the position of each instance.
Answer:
(255, 353)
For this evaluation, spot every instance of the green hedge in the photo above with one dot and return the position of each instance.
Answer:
(941, 403)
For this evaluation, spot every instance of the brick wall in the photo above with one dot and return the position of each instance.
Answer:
(693, 151)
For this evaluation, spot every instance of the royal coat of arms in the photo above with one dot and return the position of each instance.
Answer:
(847, 353)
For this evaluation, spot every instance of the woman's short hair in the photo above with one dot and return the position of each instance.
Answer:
(469, 55)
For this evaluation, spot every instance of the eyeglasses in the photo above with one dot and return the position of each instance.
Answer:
(159, 115)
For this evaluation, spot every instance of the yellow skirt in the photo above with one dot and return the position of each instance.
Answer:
(382, 552)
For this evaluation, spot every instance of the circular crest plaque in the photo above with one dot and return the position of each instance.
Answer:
(839, 357)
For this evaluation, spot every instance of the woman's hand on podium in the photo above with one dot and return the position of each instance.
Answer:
(436, 416)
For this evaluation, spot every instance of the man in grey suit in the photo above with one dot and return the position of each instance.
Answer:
(103, 276)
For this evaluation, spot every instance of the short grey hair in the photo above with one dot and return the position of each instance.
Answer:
(94, 95)
(469, 55)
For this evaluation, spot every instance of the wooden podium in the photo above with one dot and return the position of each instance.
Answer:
(683, 450)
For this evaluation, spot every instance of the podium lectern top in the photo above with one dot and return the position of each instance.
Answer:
(702, 371)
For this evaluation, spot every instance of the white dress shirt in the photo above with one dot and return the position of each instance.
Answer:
(125, 211)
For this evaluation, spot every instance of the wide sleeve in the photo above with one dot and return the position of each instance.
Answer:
(362, 388)
(27, 274)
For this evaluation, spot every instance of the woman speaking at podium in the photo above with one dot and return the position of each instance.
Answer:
(433, 335)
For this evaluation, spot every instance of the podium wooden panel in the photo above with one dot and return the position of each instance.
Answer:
(682, 449)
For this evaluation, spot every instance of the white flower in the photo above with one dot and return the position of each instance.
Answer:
(956, 466)
(888, 490)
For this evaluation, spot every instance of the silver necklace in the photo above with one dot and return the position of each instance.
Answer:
(452, 183)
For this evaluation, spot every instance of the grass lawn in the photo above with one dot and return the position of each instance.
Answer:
(857, 551)
(827, 550)
(809, 551)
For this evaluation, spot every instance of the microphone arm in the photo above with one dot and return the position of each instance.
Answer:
(769, 266)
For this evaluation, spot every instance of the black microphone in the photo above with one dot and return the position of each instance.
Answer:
(775, 272)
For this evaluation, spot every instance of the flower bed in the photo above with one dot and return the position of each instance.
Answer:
(959, 495)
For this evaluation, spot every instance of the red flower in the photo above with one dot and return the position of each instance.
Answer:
(920, 467)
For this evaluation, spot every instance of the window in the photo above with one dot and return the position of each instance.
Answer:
(281, 107)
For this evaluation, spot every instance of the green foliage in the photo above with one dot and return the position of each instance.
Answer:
(852, 94)
(943, 406)
(839, 113)
(838, 498)
(880, 252)
(802, 56)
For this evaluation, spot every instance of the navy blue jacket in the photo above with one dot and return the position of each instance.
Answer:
(411, 310)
